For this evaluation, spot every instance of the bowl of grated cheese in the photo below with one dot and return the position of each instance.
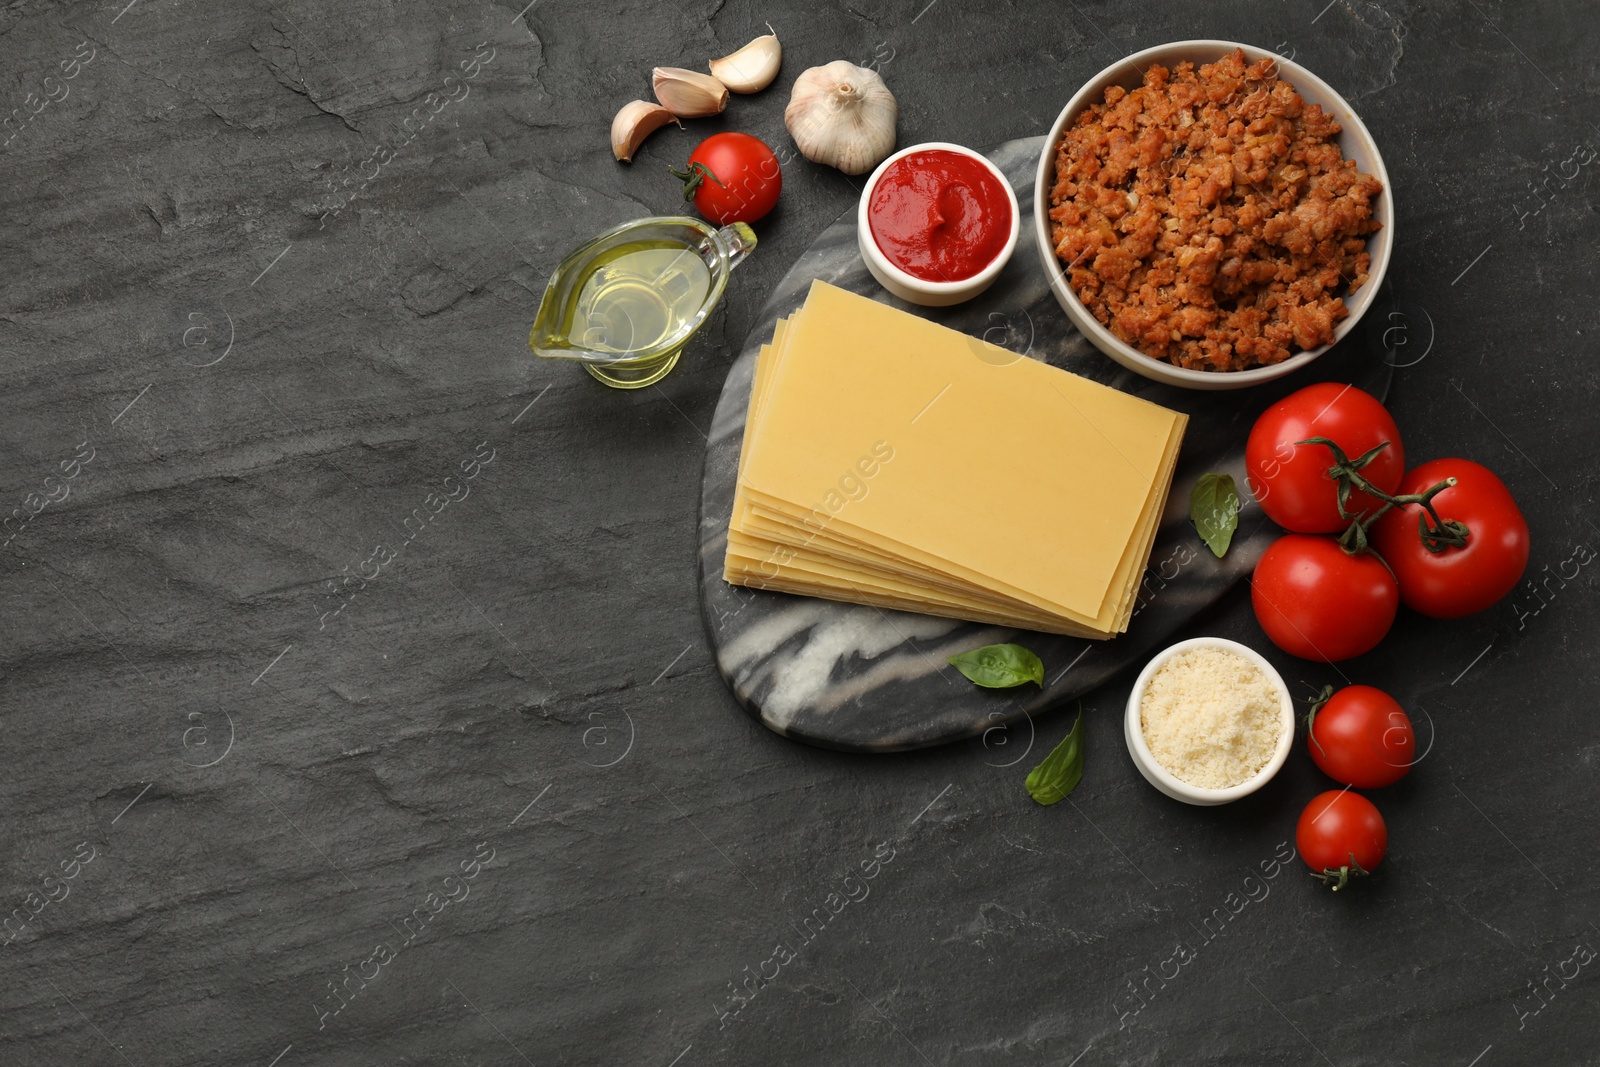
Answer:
(1209, 721)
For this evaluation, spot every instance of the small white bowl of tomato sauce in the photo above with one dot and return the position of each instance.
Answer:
(937, 223)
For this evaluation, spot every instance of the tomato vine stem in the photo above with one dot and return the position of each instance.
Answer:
(1311, 715)
(1343, 874)
(1437, 534)
(692, 176)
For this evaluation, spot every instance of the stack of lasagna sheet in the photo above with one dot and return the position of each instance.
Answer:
(894, 462)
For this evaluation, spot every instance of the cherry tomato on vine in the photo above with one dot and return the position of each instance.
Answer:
(1291, 480)
(1456, 580)
(1360, 736)
(1317, 601)
(732, 177)
(1340, 835)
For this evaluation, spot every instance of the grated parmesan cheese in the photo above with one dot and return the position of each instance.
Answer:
(1211, 717)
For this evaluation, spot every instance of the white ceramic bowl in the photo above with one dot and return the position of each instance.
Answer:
(1355, 142)
(914, 289)
(1165, 780)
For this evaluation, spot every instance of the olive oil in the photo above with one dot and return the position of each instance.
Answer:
(625, 302)
(637, 296)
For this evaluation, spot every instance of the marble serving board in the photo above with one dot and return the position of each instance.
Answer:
(861, 679)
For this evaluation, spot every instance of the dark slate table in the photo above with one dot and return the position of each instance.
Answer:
(357, 704)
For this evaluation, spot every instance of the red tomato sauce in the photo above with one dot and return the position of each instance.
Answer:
(939, 216)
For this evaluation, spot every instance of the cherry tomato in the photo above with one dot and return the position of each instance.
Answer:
(1317, 601)
(1456, 581)
(1362, 737)
(732, 177)
(1341, 834)
(1291, 480)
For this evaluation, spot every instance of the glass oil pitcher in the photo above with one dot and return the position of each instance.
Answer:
(626, 302)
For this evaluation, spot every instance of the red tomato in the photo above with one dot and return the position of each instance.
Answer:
(1341, 834)
(732, 177)
(1362, 737)
(1456, 581)
(1291, 480)
(1317, 601)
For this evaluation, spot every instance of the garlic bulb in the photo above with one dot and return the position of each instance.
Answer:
(752, 68)
(842, 115)
(688, 94)
(637, 120)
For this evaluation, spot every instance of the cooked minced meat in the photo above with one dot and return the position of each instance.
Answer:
(1208, 217)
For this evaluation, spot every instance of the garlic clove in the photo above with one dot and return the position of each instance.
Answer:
(636, 120)
(752, 68)
(688, 94)
(843, 116)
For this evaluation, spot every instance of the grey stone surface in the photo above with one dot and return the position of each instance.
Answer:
(519, 698)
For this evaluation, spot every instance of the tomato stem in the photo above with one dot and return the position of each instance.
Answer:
(1342, 874)
(1311, 715)
(1346, 472)
(692, 176)
(1437, 534)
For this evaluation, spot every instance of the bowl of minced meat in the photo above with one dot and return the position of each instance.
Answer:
(1212, 215)
(1209, 720)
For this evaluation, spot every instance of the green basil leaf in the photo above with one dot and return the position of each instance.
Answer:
(1214, 509)
(1062, 770)
(1000, 666)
